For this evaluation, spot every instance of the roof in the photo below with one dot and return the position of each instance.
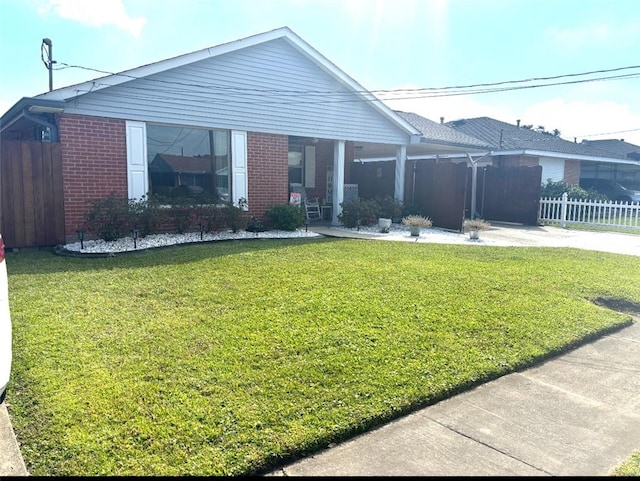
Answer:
(285, 33)
(506, 138)
(620, 147)
(434, 132)
(179, 163)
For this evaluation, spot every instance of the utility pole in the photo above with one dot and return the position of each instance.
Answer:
(49, 61)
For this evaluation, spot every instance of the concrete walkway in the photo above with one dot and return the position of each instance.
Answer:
(11, 462)
(502, 234)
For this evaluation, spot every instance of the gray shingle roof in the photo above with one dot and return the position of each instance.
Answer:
(440, 133)
(615, 146)
(505, 137)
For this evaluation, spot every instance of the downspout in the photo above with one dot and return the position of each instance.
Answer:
(52, 127)
(474, 181)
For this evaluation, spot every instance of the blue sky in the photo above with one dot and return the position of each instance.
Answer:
(383, 45)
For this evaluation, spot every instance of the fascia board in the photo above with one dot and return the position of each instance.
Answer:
(100, 83)
(560, 155)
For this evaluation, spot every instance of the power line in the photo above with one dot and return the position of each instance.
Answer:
(381, 91)
(608, 133)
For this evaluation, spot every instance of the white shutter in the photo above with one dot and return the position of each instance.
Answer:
(137, 178)
(239, 182)
(309, 166)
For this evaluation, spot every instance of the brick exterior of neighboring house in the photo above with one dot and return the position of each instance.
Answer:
(572, 171)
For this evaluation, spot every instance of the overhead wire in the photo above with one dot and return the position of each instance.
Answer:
(266, 96)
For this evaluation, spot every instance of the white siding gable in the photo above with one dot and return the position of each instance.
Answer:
(270, 87)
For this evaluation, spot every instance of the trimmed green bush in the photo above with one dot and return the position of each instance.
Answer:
(358, 212)
(389, 208)
(285, 217)
(109, 218)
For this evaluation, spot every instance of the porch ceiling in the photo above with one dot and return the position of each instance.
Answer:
(365, 150)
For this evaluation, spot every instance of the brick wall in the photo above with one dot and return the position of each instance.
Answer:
(268, 171)
(572, 171)
(94, 164)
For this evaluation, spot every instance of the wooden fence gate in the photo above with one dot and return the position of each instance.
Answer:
(439, 189)
(31, 195)
(508, 194)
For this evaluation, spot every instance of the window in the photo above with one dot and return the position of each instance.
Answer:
(295, 164)
(188, 162)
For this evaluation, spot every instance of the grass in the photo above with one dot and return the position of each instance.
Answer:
(233, 358)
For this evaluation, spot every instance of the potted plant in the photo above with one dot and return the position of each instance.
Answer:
(415, 223)
(384, 224)
(474, 226)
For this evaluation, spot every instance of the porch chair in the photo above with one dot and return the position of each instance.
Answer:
(312, 208)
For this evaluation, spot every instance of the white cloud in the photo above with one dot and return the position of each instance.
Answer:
(585, 119)
(96, 13)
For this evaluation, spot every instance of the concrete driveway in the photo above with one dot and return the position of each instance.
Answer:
(503, 234)
(548, 236)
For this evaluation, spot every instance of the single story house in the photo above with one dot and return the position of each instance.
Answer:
(628, 173)
(560, 159)
(268, 112)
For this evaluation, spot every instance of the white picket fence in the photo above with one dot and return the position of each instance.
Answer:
(602, 214)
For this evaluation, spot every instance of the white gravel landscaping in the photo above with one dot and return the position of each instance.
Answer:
(162, 240)
(397, 232)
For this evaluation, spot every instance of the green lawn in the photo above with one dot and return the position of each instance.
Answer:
(233, 358)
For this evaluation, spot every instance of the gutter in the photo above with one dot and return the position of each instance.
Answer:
(27, 106)
(52, 127)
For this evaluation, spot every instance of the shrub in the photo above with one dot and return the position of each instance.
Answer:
(235, 216)
(183, 217)
(358, 212)
(109, 218)
(210, 217)
(285, 217)
(476, 224)
(388, 208)
(416, 221)
(555, 189)
(146, 215)
(255, 225)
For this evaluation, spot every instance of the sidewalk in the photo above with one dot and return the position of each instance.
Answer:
(575, 415)
(11, 462)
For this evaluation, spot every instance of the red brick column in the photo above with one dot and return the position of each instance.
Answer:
(268, 171)
(94, 164)
(572, 172)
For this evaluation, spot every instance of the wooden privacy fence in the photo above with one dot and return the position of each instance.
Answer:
(31, 195)
(507, 194)
(590, 212)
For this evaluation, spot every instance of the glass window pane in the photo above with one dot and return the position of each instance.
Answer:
(188, 162)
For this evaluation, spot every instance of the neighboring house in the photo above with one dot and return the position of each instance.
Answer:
(627, 173)
(516, 146)
(448, 142)
(268, 111)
